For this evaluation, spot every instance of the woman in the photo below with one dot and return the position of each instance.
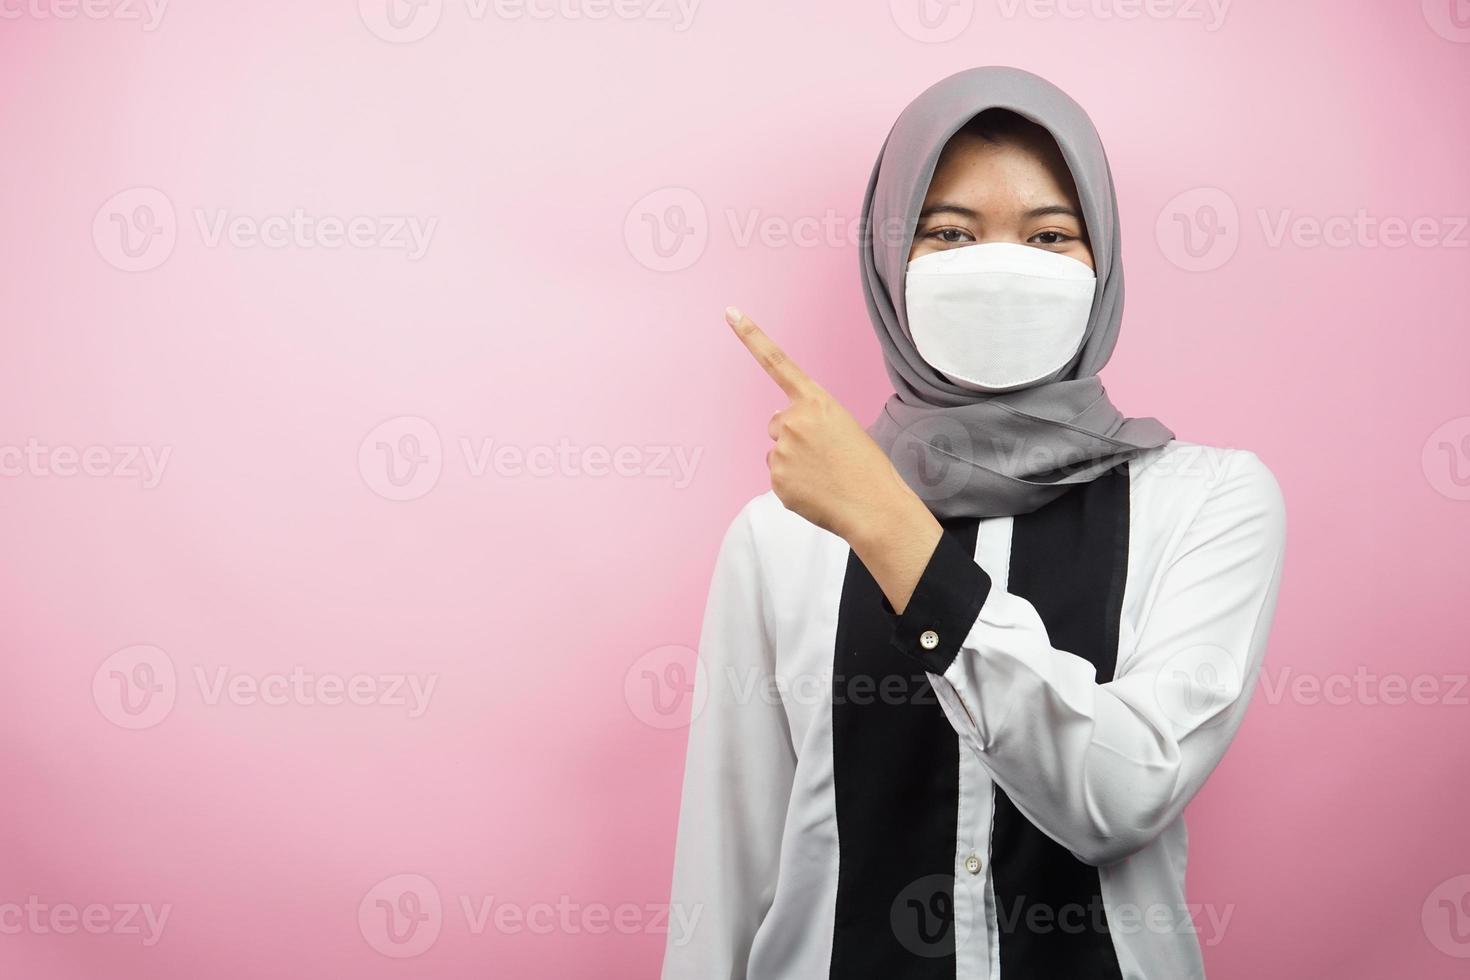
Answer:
(960, 673)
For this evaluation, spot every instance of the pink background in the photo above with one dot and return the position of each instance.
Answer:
(542, 772)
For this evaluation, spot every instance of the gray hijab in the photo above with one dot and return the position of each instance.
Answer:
(975, 454)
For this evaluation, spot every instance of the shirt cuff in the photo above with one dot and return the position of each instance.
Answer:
(943, 608)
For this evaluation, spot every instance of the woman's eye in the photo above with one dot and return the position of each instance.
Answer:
(1051, 238)
(950, 236)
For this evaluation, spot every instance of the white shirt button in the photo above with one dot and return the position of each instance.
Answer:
(972, 864)
(928, 639)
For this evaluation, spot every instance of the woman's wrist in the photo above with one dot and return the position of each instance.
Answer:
(894, 539)
(895, 517)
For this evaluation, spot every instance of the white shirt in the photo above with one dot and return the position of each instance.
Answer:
(1039, 749)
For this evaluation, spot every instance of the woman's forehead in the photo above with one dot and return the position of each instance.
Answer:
(1004, 175)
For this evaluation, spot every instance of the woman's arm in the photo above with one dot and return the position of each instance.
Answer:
(895, 542)
(1104, 768)
(738, 773)
(825, 467)
(1101, 768)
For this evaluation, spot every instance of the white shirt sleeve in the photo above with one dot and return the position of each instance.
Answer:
(738, 774)
(1104, 768)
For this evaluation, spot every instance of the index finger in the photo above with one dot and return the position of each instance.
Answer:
(782, 369)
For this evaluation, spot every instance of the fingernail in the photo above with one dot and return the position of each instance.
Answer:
(733, 315)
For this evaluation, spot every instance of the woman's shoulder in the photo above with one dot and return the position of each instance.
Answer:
(1208, 467)
(1188, 481)
(1171, 485)
(790, 556)
(768, 520)
(782, 538)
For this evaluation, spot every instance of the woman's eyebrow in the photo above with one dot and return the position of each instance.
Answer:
(1052, 209)
(964, 212)
(950, 207)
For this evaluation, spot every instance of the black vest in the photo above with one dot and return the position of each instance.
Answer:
(896, 762)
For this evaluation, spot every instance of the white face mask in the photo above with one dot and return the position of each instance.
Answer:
(998, 315)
